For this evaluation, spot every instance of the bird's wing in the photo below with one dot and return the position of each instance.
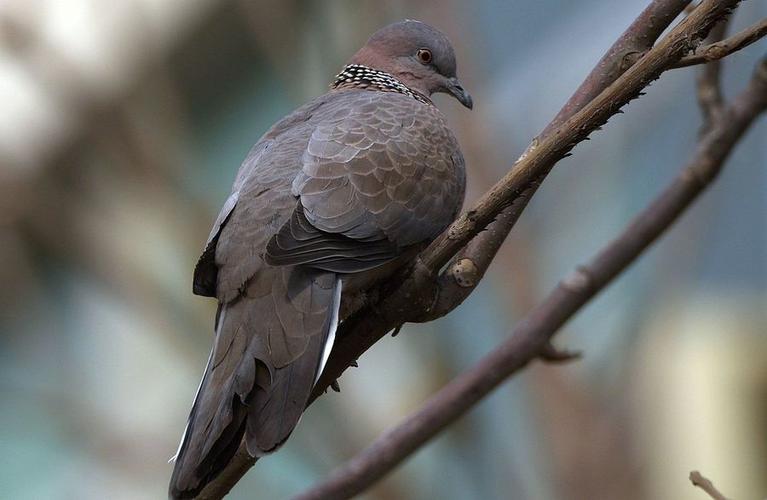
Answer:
(206, 272)
(338, 189)
(270, 165)
(272, 322)
(266, 355)
(387, 175)
(300, 242)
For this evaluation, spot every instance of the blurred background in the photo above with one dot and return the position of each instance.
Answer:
(122, 125)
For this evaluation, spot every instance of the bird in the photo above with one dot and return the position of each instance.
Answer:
(331, 199)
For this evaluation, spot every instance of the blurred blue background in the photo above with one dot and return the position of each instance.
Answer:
(122, 125)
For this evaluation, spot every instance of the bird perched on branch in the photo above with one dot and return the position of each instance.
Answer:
(328, 201)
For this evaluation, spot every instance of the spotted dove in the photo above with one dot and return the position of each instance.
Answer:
(330, 199)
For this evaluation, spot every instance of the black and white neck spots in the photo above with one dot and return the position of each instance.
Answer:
(363, 77)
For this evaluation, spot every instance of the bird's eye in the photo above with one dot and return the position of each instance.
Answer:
(424, 55)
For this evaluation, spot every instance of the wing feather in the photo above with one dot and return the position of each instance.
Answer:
(387, 176)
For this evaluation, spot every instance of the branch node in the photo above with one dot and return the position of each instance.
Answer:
(715, 51)
(630, 58)
(719, 48)
(578, 280)
(553, 354)
(530, 148)
(464, 225)
(464, 272)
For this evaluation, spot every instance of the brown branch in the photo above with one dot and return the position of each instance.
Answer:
(706, 485)
(406, 296)
(403, 298)
(563, 138)
(723, 48)
(632, 45)
(638, 38)
(534, 332)
(709, 86)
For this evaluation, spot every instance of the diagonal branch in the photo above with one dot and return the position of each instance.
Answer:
(534, 332)
(563, 138)
(638, 38)
(457, 282)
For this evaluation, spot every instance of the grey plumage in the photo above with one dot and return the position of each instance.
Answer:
(332, 192)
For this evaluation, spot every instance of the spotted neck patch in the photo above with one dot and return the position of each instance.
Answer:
(357, 76)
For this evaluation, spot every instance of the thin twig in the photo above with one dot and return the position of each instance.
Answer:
(709, 87)
(723, 48)
(534, 332)
(706, 485)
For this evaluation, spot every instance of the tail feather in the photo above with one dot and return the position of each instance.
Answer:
(269, 350)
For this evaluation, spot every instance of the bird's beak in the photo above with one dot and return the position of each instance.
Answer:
(456, 90)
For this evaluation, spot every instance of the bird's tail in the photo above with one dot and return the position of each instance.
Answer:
(270, 346)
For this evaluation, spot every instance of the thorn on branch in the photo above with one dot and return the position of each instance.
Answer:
(552, 354)
(334, 385)
(396, 330)
(354, 364)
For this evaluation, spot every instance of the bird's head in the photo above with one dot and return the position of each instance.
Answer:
(419, 56)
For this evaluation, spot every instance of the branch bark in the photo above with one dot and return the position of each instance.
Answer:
(410, 295)
(534, 332)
